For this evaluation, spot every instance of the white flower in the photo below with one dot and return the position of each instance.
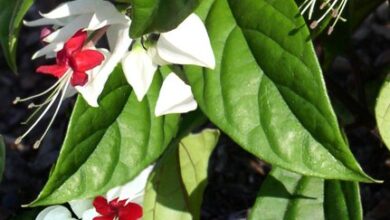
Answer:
(80, 67)
(87, 15)
(128, 197)
(55, 213)
(188, 44)
(175, 97)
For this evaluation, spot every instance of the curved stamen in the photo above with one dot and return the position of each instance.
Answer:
(37, 143)
(54, 86)
(52, 100)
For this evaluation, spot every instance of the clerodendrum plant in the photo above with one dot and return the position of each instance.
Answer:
(247, 66)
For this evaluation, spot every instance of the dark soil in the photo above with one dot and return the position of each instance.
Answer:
(235, 176)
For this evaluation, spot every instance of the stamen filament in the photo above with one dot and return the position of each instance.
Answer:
(340, 9)
(52, 100)
(54, 86)
(36, 145)
(327, 11)
(334, 9)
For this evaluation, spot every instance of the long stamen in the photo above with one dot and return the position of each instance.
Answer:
(334, 8)
(330, 8)
(52, 100)
(34, 105)
(340, 9)
(18, 99)
(37, 143)
(19, 139)
(307, 7)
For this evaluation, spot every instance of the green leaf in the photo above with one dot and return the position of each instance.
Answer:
(382, 112)
(165, 196)
(342, 200)
(11, 16)
(194, 151)
(2, 157)
(175, 188)
(286, 195)
(159, 15)
(267, 91)
(108, 146)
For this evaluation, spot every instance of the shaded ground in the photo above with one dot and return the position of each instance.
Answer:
(235, 176)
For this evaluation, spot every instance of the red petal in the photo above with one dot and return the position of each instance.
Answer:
(62, 59)
(117, 204)
(104, 218)
(131, 211)
(54, 70)
(79, 79)
(86, 60)
(76, 42)
(100, 203)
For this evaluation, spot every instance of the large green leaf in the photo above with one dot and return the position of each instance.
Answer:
(382, 112)
(194, 152)
(342, 200)
(175, 188)
(286, 195)
(267, 92)
(159, 15)
(2, 157)
(108, 146)
(11, 16)
(165, 196)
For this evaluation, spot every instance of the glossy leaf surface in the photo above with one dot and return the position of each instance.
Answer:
(286, 195)
(175, 188)
(108, 146)
(159, 15)
(382, 112)
(11, 17)
(267, 91)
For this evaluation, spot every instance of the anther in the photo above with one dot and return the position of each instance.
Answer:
(18, 140)
(36, 144)
(16, 100)
(313, 24)
(330, 30)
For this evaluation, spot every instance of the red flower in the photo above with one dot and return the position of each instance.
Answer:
(115, 208)
(74, 56)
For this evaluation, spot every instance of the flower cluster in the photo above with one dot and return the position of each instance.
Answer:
(120, 203)
(333, 8)
(76, 27)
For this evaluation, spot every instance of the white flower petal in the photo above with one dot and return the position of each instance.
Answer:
(152, 51)
(43, 21)
(70, 91)
(48, 50)
(73, 8)
(113, 193)
(175, 97)
(136, 188)
(107, 15)
(90, 214)
(139, 70)
(99, 76)
(55, 213)
(187, 44)
(92, 89)
(80, 206)
(64, 33)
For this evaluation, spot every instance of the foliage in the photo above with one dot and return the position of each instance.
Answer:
(267, 93)
(11, 15)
